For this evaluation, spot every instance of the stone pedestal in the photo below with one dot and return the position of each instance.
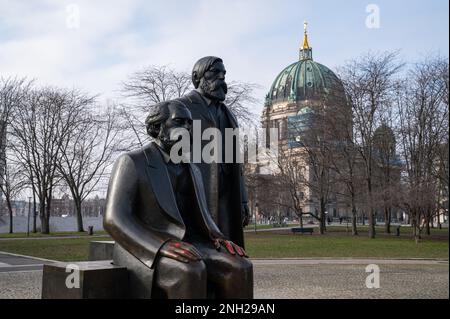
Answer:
(101, 250)
(84, 280)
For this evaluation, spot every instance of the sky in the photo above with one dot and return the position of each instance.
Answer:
(94, 45)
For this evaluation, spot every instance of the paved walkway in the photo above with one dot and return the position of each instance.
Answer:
(55, 237)
(13, 262)
(21, 277)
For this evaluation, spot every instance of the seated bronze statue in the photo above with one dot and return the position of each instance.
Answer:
(157, 214)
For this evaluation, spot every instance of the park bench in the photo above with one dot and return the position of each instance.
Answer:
(302, 230)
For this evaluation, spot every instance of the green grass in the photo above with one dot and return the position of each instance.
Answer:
(252, 227)
(262, 245)
(305, 246)
(53, 234)
(404, 230)
(73, 249)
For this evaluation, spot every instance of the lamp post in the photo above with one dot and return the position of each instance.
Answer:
(28, 219)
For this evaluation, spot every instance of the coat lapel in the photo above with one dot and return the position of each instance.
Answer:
(161, 185)
(199, 109)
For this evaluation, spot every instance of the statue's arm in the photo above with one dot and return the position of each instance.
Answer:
(120, 221)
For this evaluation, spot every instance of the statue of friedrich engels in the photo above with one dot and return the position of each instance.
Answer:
(224, 182)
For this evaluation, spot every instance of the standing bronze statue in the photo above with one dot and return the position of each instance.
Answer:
(224, 182)
(157, 213)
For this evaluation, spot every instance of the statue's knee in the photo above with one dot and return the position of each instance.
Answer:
(194, 271)
(241, 269)
(246, 266)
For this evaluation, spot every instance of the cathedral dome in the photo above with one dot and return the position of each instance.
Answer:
(304, 80)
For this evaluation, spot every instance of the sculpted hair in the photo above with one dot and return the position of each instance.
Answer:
(159, 113)
(201, 67)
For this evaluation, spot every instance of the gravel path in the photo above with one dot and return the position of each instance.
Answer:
(306, 278)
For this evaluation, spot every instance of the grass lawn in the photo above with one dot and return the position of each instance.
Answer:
(71, 249)
(55, 234)
(252, 227)
(404, 230)
(265, 245)
(262, 245)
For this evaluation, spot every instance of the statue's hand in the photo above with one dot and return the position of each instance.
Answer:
(231, 247)
(245, 214)
(180, 251)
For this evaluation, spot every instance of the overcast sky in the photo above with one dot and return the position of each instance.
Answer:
(95, 51)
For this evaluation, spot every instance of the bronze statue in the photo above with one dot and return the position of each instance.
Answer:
(224, 182)
(158, 215)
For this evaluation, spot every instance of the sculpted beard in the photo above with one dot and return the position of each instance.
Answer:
(216, 90)
(166, 141)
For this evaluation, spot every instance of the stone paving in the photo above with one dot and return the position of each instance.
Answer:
(21, 277)
(348, 280)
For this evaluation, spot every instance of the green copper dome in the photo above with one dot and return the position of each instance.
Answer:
(304, 80)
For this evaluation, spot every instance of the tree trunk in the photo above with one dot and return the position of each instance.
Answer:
(415, 223)
(371, 223)
(387, 220)
(354, 219)
(427, 225)
(11, 227)
(34, 213)
(45, 220)
(322, 218)
(77, 203)
(33, 188)
(45, 227)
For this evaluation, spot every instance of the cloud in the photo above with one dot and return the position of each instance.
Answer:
(256, 38)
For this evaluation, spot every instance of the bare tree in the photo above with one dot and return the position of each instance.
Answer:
(87, 153)
(156, 84)
(369, 81)
(386, 169)
(345, 163)
(12, 183)
(423, 114)
(12, 90)
(441, 170)
(239, 98)
(39, 130)
(292, 180)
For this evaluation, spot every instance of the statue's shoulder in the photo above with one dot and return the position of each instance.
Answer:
(139, 155)
(191, 98)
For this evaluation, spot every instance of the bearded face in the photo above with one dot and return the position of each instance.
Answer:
(180, 118)
(213, 83)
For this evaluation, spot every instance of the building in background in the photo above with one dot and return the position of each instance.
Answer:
(307, 104)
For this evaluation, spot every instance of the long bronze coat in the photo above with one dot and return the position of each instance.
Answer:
(141, 210)
(233, 229)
